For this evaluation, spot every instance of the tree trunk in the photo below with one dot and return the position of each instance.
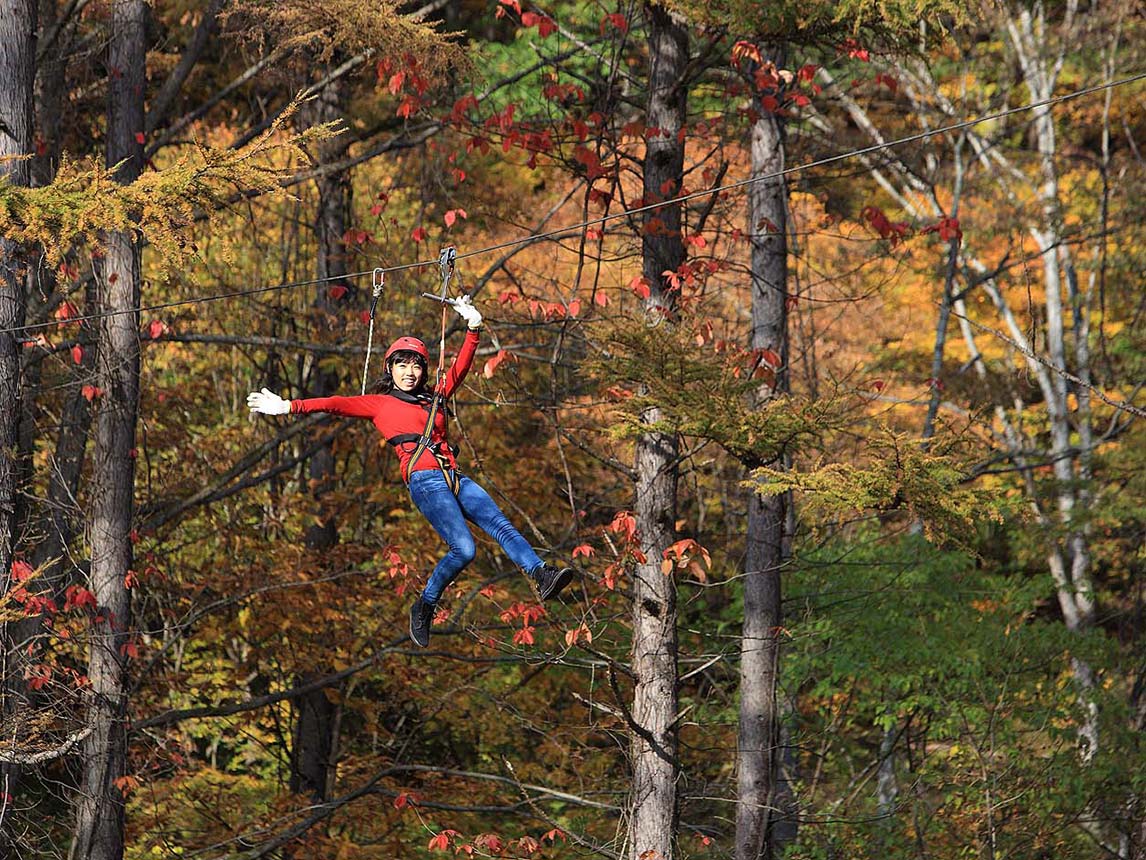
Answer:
(315, 741)
(17, 62)
(653, 747)
(758, 753)
(1069, 558)
(100, 810)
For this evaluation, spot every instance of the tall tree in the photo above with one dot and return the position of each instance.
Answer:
(17, 64)
(100, 812)
(653, 824)
(315, 740)
(758, 735)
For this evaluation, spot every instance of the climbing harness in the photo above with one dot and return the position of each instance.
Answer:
(377, 281)
(446, 262)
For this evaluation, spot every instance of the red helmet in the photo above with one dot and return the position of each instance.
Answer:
(408, 344)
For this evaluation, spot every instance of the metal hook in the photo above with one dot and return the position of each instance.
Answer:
(446, 267)
(377, 281)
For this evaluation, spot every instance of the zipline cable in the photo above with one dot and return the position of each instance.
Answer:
(732, 186)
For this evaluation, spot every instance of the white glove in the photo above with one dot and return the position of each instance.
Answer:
(468, 312)
(267, 403)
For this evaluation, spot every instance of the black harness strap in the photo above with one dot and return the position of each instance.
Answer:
(423, 441)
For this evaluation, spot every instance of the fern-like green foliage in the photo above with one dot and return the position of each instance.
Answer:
(711, 391)
(723, 394)
(877, 23)
(929, 484)
(84, 202)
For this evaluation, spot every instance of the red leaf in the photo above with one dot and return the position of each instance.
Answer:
(77, 597)
(948, 229)
(90, 392)
(617, 20)
(574, 307)
(126, 784)
(139, 138)
(807, 72)
(893, 232)
(854, 50)
(494, 363)
(742, 50)
(770, 357)
(572, 637)
(453, 215)
(601, 299)
(66, 311)
(408, 107)
(583, 549)
(491, 842)
(524, 636)
(624, 523)
(419, 234)
(512, 4)
(395, 83)
(877, 384)
(553, 835)
(544, 24)
(640, 286)
(77, 354)
(157, 328)
(441, 842)
(404, 799)
(337, 291)
(21, 570)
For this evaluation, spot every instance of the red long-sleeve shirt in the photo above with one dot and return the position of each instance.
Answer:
(396, 417)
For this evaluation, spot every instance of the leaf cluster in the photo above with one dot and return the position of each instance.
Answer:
(83, 201)
(709, 390)
(887, 23)
(352, 26)
(929, 483)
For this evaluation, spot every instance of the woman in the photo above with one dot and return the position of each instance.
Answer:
(402, 413)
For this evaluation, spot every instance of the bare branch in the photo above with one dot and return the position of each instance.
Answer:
(70, 742)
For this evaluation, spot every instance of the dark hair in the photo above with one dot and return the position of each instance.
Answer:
(385, 384)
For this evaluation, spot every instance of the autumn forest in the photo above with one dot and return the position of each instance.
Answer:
(812, 339)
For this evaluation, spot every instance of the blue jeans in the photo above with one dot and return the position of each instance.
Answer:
(448, 514)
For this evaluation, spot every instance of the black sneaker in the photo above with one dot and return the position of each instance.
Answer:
(549, 580)
(421, 617)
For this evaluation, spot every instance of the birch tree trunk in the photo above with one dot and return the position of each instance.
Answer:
(653, 743)
(758, 735)
(100, 809)
(17, 63)
(1069, 557)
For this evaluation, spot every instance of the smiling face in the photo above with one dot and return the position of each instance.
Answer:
(407, 373)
